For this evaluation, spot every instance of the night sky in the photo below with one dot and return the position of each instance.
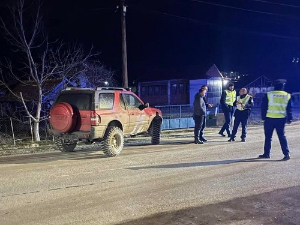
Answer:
(183, 38)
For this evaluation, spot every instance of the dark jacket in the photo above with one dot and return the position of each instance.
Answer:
(199, 105)
(265, 106)
(205, 101)
(247, 109)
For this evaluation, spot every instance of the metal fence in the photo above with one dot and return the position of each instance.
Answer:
(13, 131)
(181, 116)
(176, 111)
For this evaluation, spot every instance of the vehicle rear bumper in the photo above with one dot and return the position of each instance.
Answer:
(74, 136)
(96, 132)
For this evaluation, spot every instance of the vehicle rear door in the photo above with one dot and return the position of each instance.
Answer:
(81, 103)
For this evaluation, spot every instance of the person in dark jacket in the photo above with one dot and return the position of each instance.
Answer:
(202, 138)
(276, 110)
(227, 99)
(199, 113)
(243, 105)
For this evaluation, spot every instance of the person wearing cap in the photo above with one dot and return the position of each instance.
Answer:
(243, 105)
(276, 110)
(201, 136)
(199, 114)
(227, 99)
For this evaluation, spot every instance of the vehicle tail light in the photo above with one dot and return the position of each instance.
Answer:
(95, 119)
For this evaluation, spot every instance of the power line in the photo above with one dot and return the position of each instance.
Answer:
(276, 3)
(222, 26)
(238, 8)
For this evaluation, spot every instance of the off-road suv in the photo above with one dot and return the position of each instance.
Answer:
(102, 115)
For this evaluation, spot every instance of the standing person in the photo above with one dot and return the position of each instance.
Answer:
(202, 138)
(199, 113)
(243, 105)
(276, 110)
(227, 99)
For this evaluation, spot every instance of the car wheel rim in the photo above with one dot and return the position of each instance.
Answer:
(116, 141)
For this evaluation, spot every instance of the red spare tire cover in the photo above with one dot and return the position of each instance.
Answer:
(62, 117)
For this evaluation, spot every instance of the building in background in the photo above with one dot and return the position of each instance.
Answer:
(233, 76)
(182, 91)
(258, 88)
(165, 92)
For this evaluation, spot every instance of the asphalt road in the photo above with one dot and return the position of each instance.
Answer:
(176, 182)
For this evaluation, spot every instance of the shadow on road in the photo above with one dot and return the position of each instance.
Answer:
(199, 164)
(276, 207)
(163, 142)
(52, 156)
(87, 152)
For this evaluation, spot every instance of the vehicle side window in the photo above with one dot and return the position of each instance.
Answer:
(132, 101)
(106, 100)
(122, 103)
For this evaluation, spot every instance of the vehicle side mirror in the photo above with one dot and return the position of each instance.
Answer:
(146, 105)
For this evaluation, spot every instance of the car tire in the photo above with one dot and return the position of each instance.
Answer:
(156, 131)
(64, 147)
(114, 141)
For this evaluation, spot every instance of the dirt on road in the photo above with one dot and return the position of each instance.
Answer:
(276, 207)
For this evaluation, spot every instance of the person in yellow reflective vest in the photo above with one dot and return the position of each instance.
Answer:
(243, 105)
(227, 99)
(276, 110)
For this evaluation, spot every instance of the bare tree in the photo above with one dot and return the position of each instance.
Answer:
(39, 59)
(96, 75)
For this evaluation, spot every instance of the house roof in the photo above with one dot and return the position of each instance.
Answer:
(29, 90)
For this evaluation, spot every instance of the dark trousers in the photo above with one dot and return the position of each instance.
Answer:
(198, 125)
(278, 124)
(202, 127)
(226, 126)
(240, 119)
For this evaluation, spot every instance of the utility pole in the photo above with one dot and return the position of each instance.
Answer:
(124, 46)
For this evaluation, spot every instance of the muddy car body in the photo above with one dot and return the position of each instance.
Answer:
(103, 115)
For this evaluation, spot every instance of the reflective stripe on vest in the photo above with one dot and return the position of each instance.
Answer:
(278, 101)
(244, 101)
(230, 97)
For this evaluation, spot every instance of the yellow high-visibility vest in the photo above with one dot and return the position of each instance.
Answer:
(278, 101)
(230, 97)
(244, 101)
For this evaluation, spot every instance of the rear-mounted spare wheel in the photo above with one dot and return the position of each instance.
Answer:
(63, 117)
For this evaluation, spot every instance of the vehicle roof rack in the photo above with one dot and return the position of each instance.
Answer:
(78, 88)
(111, 88)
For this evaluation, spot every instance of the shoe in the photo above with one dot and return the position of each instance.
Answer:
(223, 135)
(203, 139)
(197, 141)
(264, 156)
(243, 140)
(231, 139)
(229, 135)
(286, 158)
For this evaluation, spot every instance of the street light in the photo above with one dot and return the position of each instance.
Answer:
(295, 60)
